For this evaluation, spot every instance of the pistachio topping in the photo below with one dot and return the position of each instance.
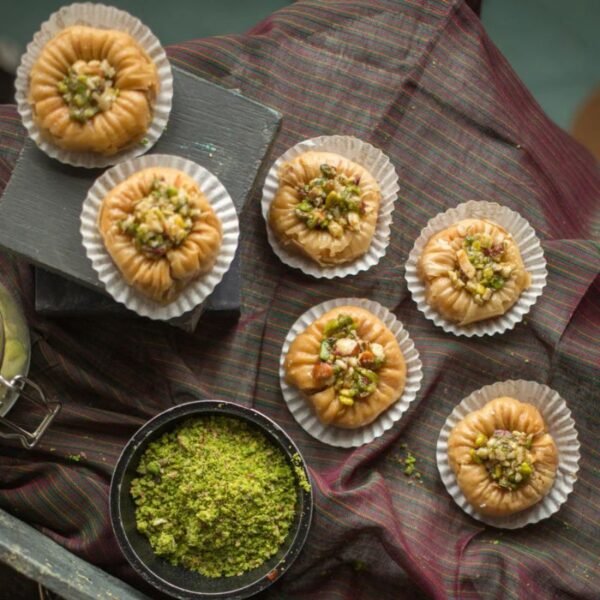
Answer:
(331, 202)
(215, 496)
(88, 88)
(480, 268)
(347, 362)
(161, 220)
(506, 456)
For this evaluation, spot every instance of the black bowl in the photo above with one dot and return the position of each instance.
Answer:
(178, 581)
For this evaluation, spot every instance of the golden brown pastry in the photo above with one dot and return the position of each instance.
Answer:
(348, 365)
(472, 271)
(325, 208)
(161, 231)
(503, 457)
(93, 90)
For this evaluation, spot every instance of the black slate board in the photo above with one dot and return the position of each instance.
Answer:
(39, 211)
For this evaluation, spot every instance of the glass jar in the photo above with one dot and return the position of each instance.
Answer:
(15, 355)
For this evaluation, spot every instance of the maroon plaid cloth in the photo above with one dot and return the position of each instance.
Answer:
(421, 80)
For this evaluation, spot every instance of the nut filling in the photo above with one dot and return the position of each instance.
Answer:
(480, 269)
(506, 456)
(162, 220)
(348, 362)
(331, 202)
(88, 89)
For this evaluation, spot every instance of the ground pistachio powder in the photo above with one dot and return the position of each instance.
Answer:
(214, 495)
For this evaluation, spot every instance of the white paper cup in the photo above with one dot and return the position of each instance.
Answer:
(103, 17)
(561, 427)
(529, 247)
(378, 165)
(303, 412)
(108, 273)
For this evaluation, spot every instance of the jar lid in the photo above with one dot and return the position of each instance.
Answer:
(15, 348)
(2, 336)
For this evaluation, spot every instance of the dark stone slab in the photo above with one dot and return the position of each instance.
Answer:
(40, 209)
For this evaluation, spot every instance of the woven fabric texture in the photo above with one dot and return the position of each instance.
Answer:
(422, 81)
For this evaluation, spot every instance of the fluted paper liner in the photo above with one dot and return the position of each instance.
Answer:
(374, 161)
(561, 427)
(303, 412)
(103, 17)
(108, 273)
(529, 247)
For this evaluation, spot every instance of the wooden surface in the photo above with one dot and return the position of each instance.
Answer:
(217, 128)
(39, 558)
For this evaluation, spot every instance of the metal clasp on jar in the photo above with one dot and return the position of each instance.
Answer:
(21, 385)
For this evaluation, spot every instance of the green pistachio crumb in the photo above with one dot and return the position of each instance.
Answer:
(359, 565)
(410, 465)
(300, 473)
(216, 496)
(331, 202)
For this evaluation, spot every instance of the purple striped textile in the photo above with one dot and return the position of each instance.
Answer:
(422, 81)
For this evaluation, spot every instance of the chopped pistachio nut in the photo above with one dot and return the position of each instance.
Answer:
(88, 88)
(215, 496)
(162, 220)
(409, 463)
(506, 456)
(359, 565)
(480, 270)
(348, 362)
(331, 202)
(301, 477)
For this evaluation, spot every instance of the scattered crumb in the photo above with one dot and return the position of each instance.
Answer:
(526, 360)
(409, 462)
(495, 542)
(300, 474)
(359, 565)
(74, 457)
(52, 449)
(518, 146)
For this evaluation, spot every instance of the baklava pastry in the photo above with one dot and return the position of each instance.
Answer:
(160, 231)
(472, 271)
(92, 90)
(325, 208)
(348, 366)
(503, 457)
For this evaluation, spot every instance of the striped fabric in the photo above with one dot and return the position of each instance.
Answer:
(421, 80)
